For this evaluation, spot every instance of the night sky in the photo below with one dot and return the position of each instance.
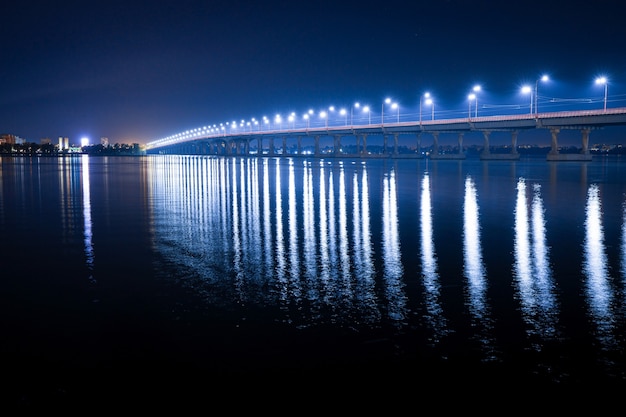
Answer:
(136, 71)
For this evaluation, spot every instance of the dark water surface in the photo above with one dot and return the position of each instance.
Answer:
(176, 279)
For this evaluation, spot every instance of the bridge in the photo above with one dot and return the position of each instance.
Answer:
(211, 141)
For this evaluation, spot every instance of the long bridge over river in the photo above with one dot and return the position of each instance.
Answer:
(272, 141)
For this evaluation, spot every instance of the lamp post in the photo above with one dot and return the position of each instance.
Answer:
(344, 113)
(431, 103)
(382, 111)
(356, 105)
(397, 107)
(369, 114)
(476, 89)
(603, 80)
(526, 90)
(543, 78)
(324, 115)
(427, 97)
(470, 98)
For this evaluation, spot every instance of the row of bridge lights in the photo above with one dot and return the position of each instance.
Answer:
(425, 100)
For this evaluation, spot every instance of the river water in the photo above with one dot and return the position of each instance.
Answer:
(168, 273)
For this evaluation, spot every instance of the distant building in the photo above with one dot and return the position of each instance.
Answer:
(104, 141)
(12, 139)
(45, 141)
(64, 143)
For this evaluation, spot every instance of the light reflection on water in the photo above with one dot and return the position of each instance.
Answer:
(523, 264)
(599, 292)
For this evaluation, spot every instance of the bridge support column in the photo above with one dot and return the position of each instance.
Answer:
(395, 143)
(460, 139)
(385, 141)
(364, 148)
(271, 146)
(259, 145)
(284, 152)
(486, 146)
(299, 145)
(247, 147)
(337, 145)
(514, 141)
(554, 146)
(358, 144)
(436, 143)
(585, 133)
(317, 145)
(419, 144)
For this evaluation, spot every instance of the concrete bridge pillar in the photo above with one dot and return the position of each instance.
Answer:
(337, 145)
(317, 145)
(436, 143)
(486, 146)
(514, 141)
(284, 145)
(299, 145)
(385, 141)
(358, 144)
(585, 133)
(419, 143)
(259, 145)
(271, 146)
(460, 142)
(364, 148)
(554, 146)
(247, 147)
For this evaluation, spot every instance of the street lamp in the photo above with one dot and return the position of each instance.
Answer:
(369, 114)
(382, 111)
(324, 115)
(306, 117)
(526, 90)
(470, 98)
(430, 102)
(427, 97)
(344, 113)
(476, 89)
(603, 80)
(356, 105)
(543, 78)
(396, 106)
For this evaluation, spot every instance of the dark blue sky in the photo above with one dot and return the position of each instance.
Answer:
(136, 71)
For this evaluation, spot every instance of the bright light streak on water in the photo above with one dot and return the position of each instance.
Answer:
(474, 269)
(236, 222)
(310, 242)
(595, 266)
(544, 283)
(344, 256)
(365, 279)
(89, 253)
(294, 252)
(432, 287)
(531, 265)
(393, 272)
(326, 265)
(267, 221)
(522, 250)
(281, 280)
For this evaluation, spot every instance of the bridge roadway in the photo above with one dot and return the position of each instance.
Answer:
(203, 142)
